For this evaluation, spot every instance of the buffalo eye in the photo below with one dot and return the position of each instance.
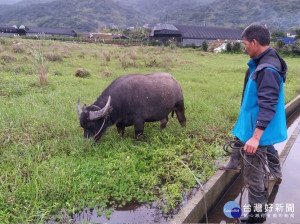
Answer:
(90, 126)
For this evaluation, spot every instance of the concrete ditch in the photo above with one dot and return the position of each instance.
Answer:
(195, 209)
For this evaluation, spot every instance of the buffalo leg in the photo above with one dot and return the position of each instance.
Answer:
(163, 123)
(179, 110)
(139, 130)
(121, 129)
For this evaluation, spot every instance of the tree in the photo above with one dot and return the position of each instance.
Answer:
(228, 47)
(280, 44)
(236, 47)
(204, 45)
(297, 33)
(138, 33)
(277, 34)
(296, 48)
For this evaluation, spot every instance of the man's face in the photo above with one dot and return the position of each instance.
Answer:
(250, 47)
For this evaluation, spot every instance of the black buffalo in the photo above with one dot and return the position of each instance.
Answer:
(133, 100)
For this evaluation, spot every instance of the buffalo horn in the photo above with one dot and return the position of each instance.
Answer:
(100, 113)
(79, 111)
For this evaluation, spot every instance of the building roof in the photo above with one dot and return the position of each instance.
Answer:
(8, 29)
(203, 32)
(197, 32)
(49, 31)
(165, 29)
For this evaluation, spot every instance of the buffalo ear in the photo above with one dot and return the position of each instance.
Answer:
(94, 115)
(79, 111)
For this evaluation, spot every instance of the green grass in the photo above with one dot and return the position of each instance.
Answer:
(46, 166)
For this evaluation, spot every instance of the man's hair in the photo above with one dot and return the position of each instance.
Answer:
(258, 32)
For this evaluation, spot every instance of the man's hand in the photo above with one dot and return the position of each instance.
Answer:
(253, 143)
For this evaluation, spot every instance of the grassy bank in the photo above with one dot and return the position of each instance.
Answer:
(47, 167)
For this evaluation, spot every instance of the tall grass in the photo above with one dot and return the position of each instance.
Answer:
(42, 66)
(46, 167)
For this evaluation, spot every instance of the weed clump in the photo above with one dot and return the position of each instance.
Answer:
(107, 74)
(53, 57)
(106, 55)
(82, 73)
(18, 48)
(42, 66)
(8, 58)
(125, 62)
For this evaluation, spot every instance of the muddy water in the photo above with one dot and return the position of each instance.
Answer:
(285, 198)
(134, 213)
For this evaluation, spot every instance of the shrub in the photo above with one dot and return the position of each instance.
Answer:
(155, 43)
(56, 73)
(107, 74)
(18, 48)
(296, 48)
(280, 44)
(2, 41)
(204, 45)
(81, 55)
(8, 58)
(82, 73)
(228, 47)
(106, 55)
(173, 46)
(53, 57)
(126, 62)
(236, 47)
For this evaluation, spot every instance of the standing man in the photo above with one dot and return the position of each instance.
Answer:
(261, 122)
(272, 154)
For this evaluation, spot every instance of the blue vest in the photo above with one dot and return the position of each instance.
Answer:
(276, 130)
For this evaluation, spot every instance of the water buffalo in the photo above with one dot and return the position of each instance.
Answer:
(133, 100)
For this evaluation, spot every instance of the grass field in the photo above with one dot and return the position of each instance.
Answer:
(45, 165)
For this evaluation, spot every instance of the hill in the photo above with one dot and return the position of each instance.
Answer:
(83, 15)
(278, 15)
(157, 10)
(88, 15)
(8, 2)
(30, 2)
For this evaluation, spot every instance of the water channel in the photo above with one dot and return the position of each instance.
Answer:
(285, 197)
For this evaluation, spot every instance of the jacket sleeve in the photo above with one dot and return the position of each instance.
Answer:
(268, 88)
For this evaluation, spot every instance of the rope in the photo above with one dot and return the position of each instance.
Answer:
(96, 134)
(202, 190)
(262, 159)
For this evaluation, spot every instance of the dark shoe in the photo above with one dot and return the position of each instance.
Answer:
(234, 162)
(229, 166)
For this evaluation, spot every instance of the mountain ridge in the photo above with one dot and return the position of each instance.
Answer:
(88, 15)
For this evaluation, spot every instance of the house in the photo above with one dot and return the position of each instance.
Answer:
(8, 31)
(193, 35)
(35, 31)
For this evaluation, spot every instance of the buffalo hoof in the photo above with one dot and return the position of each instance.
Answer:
(139, 137)
(163, 123)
